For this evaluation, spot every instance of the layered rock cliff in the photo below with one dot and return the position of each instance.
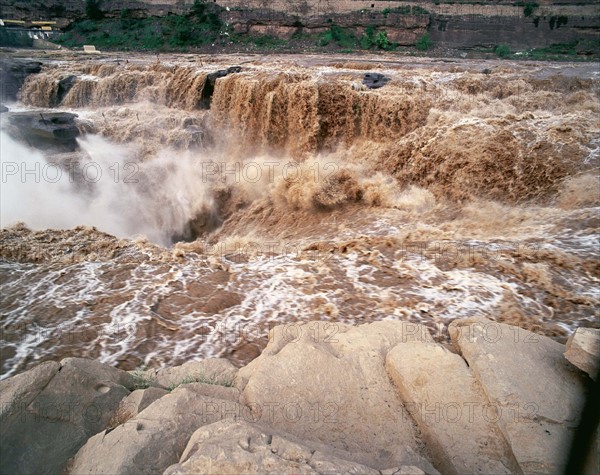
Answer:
(455, 25)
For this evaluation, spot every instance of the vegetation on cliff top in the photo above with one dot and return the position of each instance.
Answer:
(202, 27)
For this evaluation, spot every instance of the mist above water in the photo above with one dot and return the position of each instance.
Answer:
(106, 189)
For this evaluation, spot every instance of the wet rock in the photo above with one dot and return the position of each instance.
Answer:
(48, 131)
(244, 448)
(442, 395)
(3, 108)
(155, 438)
(375, 80)
(209, 85)
(12, 76)
(583, 350)
(78, 402)
(535, 394)
(64, 86)
(318, 380)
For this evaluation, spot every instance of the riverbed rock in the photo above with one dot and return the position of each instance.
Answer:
(217, 371)
(12, 76)
(18, 392)
(583, 350)
(375, 80)
(77, 402)
(317, 381)
(444, 398)
(321, 398)
(64, 86)
(139, 400)
(209, 85)
(55, 131)
(536, 394)
(215, 391)
(155, 438)
(247, 449)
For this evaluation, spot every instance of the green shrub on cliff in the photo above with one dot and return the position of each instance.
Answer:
(267, 41)
(202, 25)
(92, 10)
(502, 51)
(382, 41)
(338, 36)
(199, 8)
(368, 38)
(529, 8)
(379, 39)
(424, 43)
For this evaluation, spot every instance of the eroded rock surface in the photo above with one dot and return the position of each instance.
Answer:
(53, 131)
(12, 75)
(139, 400)
(244, 448)
(77, 402)
(322, 398)
(450, 408)
(536, 394)
(583, 350)
(216, 371)
(155, 438)
(327, 383)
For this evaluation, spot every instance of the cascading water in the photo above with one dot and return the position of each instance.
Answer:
(298, 196)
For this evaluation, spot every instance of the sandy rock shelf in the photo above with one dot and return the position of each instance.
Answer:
(381, 398)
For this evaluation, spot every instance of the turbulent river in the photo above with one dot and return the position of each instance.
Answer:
(188, 221)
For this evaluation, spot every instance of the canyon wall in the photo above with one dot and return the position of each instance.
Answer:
(454, 25)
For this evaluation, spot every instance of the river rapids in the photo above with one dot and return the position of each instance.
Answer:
(188, 222)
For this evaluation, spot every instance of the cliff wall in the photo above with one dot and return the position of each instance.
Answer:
(455, 25)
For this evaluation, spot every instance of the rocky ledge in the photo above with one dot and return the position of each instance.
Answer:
(381, 398)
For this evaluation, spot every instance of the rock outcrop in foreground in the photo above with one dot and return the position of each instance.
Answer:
(381, 398)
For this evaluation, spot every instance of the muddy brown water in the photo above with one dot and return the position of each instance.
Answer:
(460, 188)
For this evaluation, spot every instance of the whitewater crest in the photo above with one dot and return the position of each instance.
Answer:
(203, 210)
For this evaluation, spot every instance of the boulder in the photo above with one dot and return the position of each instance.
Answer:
(247, 449)
(155, 438)
(77, 402)
(12, 76)
(44, 130)
(216, 371)
(215, 391)
(139, 400)
(444, 398)
(404, 470)
(535, 394)
(583, 350)
(209, 85)
(327, 383)
(18, 392)
(64, 86)
(375, 80)
(3, 108)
